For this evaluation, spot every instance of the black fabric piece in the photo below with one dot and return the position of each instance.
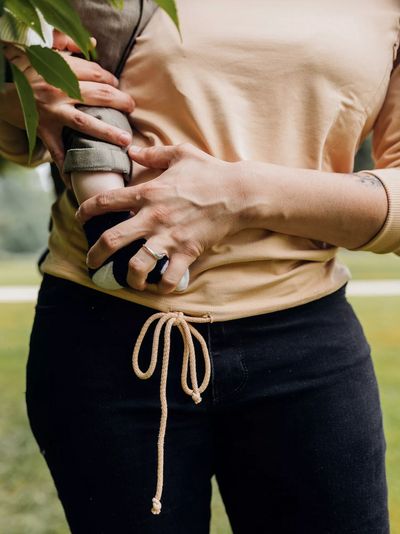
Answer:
(96, 226)
(8, 72)
(130, 44)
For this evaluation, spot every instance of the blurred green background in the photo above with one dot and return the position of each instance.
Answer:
(28, 500)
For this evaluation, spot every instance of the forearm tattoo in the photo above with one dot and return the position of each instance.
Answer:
(367, 180)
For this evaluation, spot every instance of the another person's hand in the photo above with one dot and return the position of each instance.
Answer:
(193, 204)
(56, 109)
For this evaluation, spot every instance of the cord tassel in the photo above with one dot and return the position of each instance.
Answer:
(187, 331)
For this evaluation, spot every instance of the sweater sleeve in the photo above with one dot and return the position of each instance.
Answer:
(386, 153)
(85, 153)
(14, 147)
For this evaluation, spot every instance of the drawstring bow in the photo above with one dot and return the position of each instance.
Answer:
(187, 331)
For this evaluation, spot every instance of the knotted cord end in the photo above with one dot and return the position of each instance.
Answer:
(196, 397)
(156, 507)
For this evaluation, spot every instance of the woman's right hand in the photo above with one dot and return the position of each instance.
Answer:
(56, 109)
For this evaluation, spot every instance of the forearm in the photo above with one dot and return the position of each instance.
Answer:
(88, 184)
(345, 210)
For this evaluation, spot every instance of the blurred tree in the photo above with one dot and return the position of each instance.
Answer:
(363, 160)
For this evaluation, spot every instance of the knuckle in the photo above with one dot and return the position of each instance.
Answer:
(183, 149)
(80, 121)
(109, 132)
(56, 155)
(137, 267)
(146, 190)
(160, 215)
(190, 249)
(169, 284)
(103, 201)
(97, 72)
(150, 153)
(128, 103)
(106, 94)
(111, 239)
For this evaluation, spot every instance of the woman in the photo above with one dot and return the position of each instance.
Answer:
(273, 99)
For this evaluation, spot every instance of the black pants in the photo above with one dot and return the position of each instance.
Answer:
(291, 424)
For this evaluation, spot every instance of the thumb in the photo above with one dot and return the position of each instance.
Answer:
(156, 157)
(55, 146)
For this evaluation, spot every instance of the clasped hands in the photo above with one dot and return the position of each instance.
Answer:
(197, 201)
(193, 204)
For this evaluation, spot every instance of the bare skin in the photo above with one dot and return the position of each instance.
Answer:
(185, 215)
(89, 184)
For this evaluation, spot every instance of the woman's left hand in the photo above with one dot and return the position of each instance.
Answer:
(193, 204)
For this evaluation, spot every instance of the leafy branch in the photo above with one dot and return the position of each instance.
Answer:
(48, 63)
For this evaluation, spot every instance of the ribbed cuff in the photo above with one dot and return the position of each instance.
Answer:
(388, 239)
(97, 160)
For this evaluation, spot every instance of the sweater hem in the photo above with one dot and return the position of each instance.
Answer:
(61, 270)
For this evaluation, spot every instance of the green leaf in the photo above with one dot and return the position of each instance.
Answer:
(28, 104)
(26, 13)
(2, 69)
(170, 8)
(54, 69)
(61, 15)
(118, 4)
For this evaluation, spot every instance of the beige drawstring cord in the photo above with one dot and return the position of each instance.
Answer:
(182, 321)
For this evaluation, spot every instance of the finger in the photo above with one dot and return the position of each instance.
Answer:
(155, 157)
(114, 239)
(10, 51)
(54, 144)
(101, 94)
(21, 62)
(142, 263)
(176, 269)
(84, 123)
(63, 42)
(125, 199)
(89, 71)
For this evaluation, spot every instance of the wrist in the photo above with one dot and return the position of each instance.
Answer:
(258, 184)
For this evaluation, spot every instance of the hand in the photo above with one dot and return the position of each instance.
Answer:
(56, 109)
(195, 203)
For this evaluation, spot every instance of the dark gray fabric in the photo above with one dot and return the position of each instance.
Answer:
(84, 153)
(115, 32)
(113, 29)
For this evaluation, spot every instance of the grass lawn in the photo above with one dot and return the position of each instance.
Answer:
(19, 271)
(28, 501)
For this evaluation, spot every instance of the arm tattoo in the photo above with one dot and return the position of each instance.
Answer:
(367, 180)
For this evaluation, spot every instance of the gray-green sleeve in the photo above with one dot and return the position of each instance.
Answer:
(85, 153)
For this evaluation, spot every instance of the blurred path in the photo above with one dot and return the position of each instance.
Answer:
(356, 288)
(18, 293)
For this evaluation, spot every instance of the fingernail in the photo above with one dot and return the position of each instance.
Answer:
(116, 81)
(125, 139)
(77, 214)
(87, 261)
(135, 149)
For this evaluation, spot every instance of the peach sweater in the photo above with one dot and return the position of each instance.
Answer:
(298, 84)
